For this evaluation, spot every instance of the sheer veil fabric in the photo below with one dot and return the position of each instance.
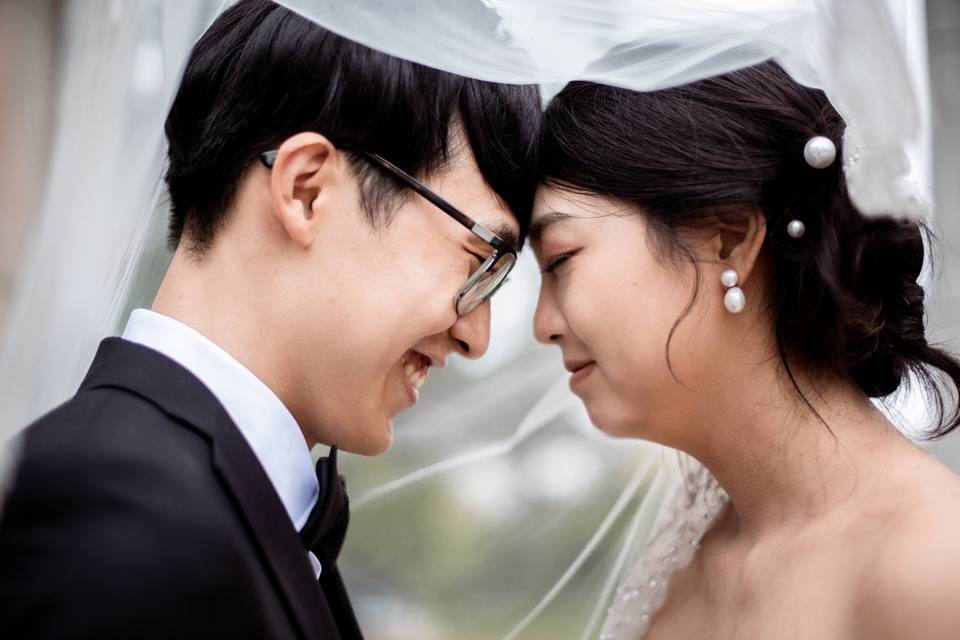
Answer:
(97, 245)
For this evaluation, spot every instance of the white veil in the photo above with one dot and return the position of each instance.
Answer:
(540, 517)
(95, 244)
(855, 50)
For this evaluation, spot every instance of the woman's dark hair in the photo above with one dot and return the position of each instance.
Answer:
(262, 73)
(844, 297)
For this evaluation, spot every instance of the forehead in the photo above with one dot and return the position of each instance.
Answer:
(555, 205)
(550, 198)
(460, 182)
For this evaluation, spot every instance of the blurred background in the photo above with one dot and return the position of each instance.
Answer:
(466, 553)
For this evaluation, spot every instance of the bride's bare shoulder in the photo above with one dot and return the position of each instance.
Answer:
(910, 582)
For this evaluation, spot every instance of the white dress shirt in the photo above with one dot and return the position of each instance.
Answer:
(266, 424)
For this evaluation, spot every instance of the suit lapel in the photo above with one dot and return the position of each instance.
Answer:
(154, 377)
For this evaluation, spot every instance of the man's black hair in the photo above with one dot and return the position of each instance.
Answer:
(262, 73)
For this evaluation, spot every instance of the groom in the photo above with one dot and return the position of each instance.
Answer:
(340, 219)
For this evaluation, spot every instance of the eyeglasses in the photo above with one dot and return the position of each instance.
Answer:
(491, 274)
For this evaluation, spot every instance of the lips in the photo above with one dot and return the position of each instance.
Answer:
(580, 369)
(575, 365)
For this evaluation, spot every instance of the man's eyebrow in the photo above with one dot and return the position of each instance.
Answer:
(541, 224)
(508, 235)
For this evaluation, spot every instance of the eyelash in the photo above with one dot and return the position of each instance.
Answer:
(558, 259)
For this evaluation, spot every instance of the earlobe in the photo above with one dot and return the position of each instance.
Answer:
(299, 179)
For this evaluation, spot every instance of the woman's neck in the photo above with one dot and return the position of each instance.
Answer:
(779, 463)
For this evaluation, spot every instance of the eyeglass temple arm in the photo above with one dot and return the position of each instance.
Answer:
(268, 158)
(415, 184)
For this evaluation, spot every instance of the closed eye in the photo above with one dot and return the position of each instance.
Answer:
(551, 265)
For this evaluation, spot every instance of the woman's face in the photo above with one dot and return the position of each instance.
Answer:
(609, 300)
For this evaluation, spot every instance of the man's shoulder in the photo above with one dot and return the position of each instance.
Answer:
(109, 473)
(109, 443)
(106, 422)
(117, 507)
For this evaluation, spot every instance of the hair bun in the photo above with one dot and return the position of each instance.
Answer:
(888, 328)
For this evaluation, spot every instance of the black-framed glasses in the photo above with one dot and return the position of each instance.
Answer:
(492, 273)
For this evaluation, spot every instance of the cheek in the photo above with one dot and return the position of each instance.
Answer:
(623, 313)
(422, 293)
(409, 292)
(385, 307)
(623, 310)
(408, 311)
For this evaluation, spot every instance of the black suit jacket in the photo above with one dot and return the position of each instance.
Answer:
(139, 511)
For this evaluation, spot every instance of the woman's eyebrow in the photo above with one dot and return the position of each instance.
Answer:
(542, 223)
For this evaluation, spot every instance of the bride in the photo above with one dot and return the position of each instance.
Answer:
(713, 288)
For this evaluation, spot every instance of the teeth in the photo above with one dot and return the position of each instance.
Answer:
(419, 379)
(415, 371)
(410, 368)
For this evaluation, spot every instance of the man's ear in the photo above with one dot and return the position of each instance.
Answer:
(305, 168)
(737, 244)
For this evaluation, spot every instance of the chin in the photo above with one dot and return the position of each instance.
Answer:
(369, 442)
(617, 431)
(613, 423)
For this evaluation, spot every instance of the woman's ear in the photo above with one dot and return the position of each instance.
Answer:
(304, 170)
(737, 245)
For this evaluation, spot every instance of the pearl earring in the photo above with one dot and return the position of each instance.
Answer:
(733, 299)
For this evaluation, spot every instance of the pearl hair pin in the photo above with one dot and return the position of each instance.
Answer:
(796, 229)
(820, 152)
(733, 299)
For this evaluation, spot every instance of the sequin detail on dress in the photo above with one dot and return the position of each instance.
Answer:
(686, 516)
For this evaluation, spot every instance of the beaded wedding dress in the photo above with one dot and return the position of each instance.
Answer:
(688, 511)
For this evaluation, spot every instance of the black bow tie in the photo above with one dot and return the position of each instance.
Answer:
(326, 526)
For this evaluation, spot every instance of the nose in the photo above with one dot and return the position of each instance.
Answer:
(548, 323)
(471, 333)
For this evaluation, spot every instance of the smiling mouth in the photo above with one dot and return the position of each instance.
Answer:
(579, 373)
(577, 365)
(415, 367)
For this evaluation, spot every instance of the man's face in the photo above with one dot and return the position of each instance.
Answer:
(389, 292)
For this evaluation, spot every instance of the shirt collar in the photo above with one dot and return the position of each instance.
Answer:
(266, 424)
